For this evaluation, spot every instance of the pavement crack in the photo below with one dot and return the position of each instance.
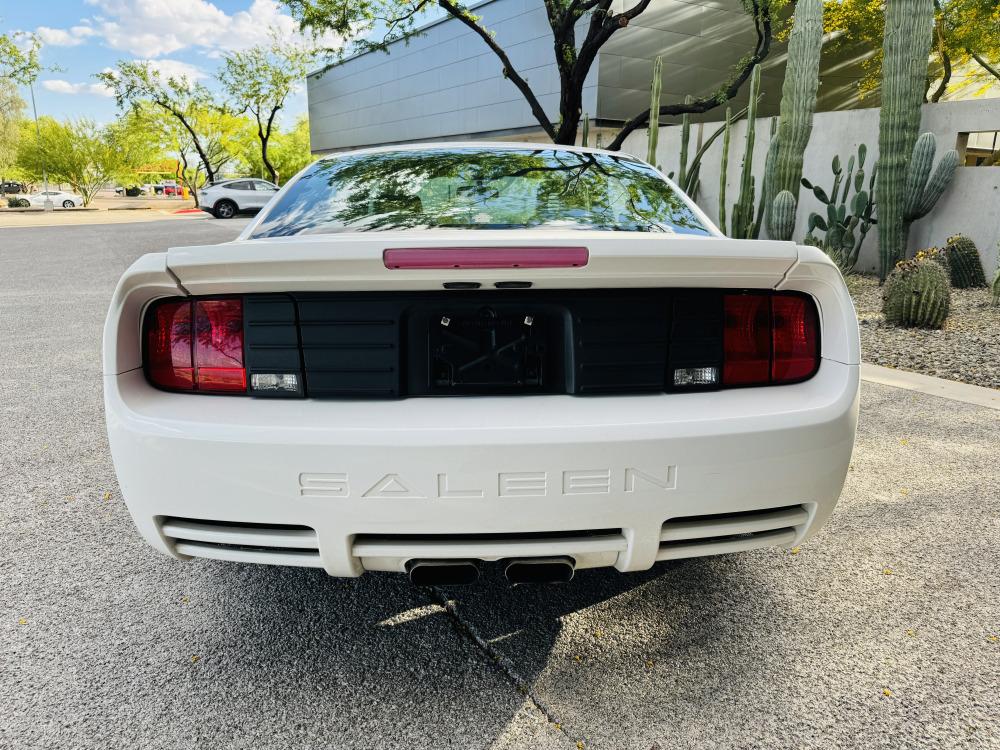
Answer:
(495, 657)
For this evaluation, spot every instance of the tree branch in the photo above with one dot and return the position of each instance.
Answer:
(985, 65)
(945, 77)
(508, 68)
(762, 21)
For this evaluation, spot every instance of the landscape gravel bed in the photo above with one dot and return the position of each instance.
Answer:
(967, 349)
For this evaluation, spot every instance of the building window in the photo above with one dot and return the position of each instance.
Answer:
(980, 149)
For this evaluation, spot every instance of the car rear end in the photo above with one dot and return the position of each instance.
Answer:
(562, 399)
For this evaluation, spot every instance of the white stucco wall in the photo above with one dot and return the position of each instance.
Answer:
(971, 206)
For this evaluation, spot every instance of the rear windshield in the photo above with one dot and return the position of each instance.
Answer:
(475, 188)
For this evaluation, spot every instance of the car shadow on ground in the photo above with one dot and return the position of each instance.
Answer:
(349, 643)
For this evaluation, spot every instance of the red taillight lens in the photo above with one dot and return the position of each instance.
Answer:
(796, 338)
(746, 339)
(769, 338)
(168, 346)
(197, 346)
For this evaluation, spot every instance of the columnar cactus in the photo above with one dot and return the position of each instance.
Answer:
(783, 214)
(683, 176)
(905, 49)
(585, 137)
(798, 102)
(964, 264)
(654, 110)
(916, 294)
(923, 189)
(743, 209)
(995, 284)
(724, 170)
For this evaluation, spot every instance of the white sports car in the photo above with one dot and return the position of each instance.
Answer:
(429, 358)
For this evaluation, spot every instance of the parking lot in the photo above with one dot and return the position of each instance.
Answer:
(881, 632)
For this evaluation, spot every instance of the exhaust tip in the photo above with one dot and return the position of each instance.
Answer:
(442, 572)
(540, 570)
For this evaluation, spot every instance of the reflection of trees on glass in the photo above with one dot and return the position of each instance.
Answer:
(479, 189)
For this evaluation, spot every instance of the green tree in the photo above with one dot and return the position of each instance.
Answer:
(966, 37)
(135, 84)
(11, 117)
(288, 151)
(84, 155)
(259, 80)
(599, 20)
(19, 58)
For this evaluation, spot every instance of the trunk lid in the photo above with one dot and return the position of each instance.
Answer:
(355, 262)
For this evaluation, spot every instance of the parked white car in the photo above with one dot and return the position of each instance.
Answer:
(227, 198)
(429, 358)
(59, 198)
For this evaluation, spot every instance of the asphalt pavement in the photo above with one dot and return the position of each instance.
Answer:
(881, 632)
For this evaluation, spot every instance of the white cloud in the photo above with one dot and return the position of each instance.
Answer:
(176, 69)
(152, 28)
(65, 87)
(70, 37)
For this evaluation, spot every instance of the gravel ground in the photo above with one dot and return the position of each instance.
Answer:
(967, 349)
(881, 632)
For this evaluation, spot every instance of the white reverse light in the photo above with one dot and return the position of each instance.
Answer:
(270, 381)
(696, 376)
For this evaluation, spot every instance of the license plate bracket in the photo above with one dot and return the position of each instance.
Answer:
(489, 348)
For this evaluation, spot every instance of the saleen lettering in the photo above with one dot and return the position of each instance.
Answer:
(503, 484)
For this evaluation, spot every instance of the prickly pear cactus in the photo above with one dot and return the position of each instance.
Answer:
(916, 294)
(964, 265)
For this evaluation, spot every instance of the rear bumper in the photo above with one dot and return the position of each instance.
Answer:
(350, 486)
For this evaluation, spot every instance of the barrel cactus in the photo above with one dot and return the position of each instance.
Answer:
(964, 264)
(916, 294)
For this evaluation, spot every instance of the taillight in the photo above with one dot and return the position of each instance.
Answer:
(769, 339)
(196, 346)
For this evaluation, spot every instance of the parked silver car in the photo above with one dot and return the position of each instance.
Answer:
(227, 198)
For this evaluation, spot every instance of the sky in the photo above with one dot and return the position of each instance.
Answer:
(179, 37)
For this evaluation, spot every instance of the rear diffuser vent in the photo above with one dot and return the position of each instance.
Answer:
(694, 536)
(274, 544)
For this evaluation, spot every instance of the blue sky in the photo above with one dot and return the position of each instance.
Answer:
(186, 37)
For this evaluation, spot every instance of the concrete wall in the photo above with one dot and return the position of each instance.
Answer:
(971, 206)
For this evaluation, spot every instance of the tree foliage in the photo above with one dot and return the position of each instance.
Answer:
(966, 39)
(11, 116)
(19, 58)
(597, 21)
(84, 155)
(288, 151)
(259, 80)
(136, 84)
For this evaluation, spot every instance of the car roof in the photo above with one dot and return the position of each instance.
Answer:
(477, 145)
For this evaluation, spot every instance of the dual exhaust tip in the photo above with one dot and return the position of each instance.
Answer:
(516, 571)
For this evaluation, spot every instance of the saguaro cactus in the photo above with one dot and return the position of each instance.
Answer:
(798, 102)
(922, 188)
(654, 110)
(905, 49)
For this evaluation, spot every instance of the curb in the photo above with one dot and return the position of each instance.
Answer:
(950, 389)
